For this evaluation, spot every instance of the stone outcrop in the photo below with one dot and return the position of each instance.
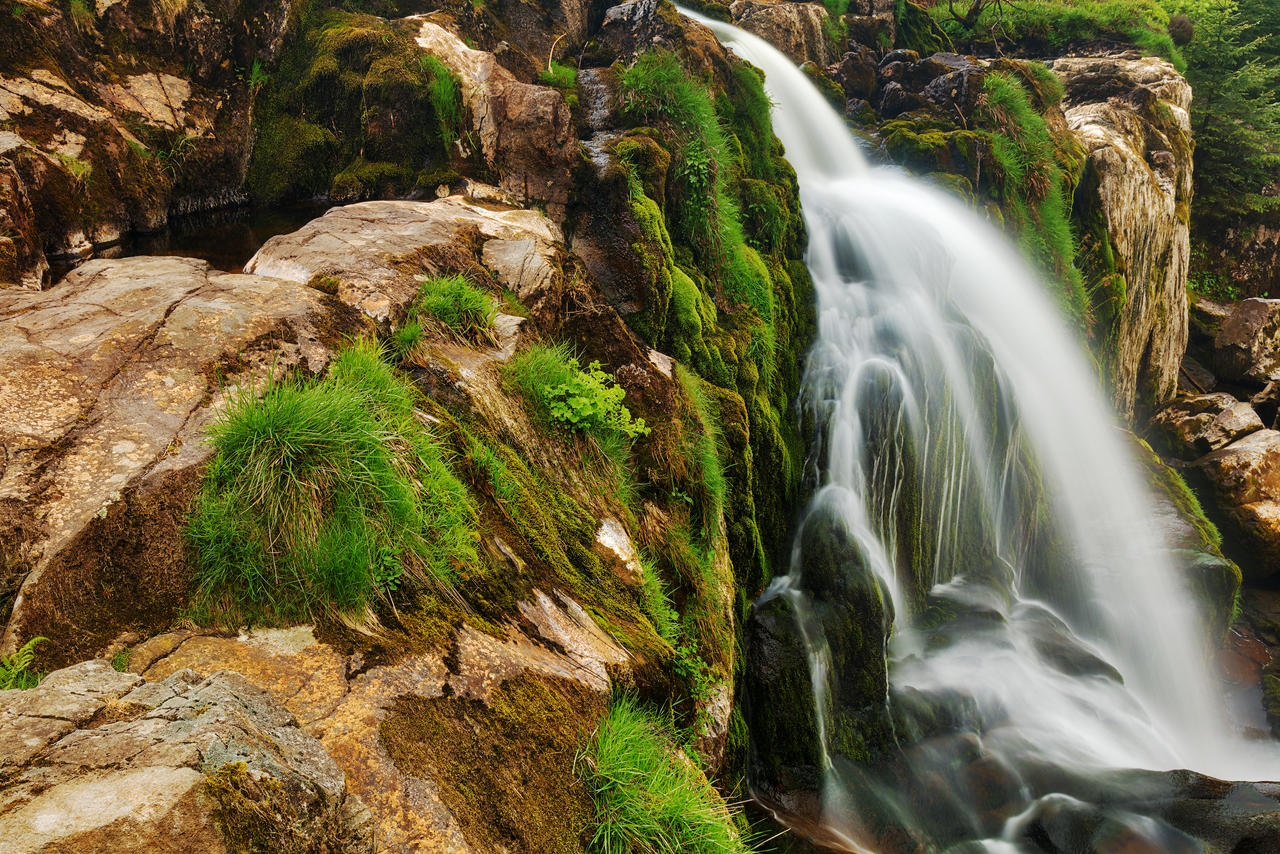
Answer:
(344, 704)
(1246, 348)
(1245, 476)
(1131, 116)
(373, 253)
(525, 131)
(108, 381)
(183, 764)
(1196, 425)
(100, 140)
(796, 29)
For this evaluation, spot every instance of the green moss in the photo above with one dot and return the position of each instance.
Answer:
(352, 107)
(505, 767)
(918, 31)
(257, 814)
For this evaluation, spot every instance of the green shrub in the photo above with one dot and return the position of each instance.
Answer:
(455, 302)
(15, 670)
(591, 401)
(648, 798)
(323, 497)
(1056, 23)
(559, 75)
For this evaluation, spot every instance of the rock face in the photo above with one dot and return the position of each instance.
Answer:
(796, 29)
(525, 131)
(1246, 480)
(187, 764)
(108, 381)
(1246, 347)
(374, 252)
(345, 707)
(103, 140)
(1131, 117)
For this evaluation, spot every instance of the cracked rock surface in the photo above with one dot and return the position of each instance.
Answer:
(95, 760)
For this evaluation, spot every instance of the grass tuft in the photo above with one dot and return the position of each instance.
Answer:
(323, 498)
(648, 798)
(456, 303)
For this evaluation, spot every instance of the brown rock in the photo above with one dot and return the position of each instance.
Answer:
(1203, 423)
(1246, 480)
(172, 766)
(376, 251)
(106, 383)
(1247, 346)
(796, 29)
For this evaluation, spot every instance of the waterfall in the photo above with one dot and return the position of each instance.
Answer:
(968, 461)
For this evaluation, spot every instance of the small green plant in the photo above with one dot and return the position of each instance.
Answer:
(120, 661)
(445, 95)
(258, 76)
(647, 797)
(591, 400)
(456, 303)
(15, 670)
(656, 602)
(559, 75)
(81, 15)
(79, 169)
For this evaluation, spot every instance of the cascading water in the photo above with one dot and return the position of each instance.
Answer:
(968, 466)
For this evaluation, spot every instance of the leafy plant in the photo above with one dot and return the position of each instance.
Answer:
(647, 797)
(15, 670)
(591, 400)
(120, 661)
(258, 76)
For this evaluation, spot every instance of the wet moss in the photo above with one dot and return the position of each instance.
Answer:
(257, 814)
(353, 108)
(505, 767)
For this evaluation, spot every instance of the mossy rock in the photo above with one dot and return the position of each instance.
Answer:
(504, 766)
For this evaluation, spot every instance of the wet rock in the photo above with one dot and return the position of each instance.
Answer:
(856, 72)
(374, 252)
(1130, 115)
(1247, 345)
(106, 383)
(796, 29)
(1196, 425)
(1195, 378)
(186, 764)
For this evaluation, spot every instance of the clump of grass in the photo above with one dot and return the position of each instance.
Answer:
(15, 670)
(120, 661)
(647, 797)
(702, 449)
(1031, 183)
(323, 498)
(655, 600)
(445, 95)
(455, 302)
(559, 75)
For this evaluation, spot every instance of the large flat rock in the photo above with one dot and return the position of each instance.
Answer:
(106, 384)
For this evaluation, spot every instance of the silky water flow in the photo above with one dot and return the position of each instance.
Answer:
(964, 448)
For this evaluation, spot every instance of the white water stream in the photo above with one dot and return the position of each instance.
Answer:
(943, 370)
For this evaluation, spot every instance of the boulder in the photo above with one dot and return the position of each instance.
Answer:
(373, 253)
(1131, 117)
(183, 764)
(1246, 347)
(856, 72)
(525, 132)
(106, 383)
(349, 705)
(1196, 425)
(1246, 480)
(796, 29)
